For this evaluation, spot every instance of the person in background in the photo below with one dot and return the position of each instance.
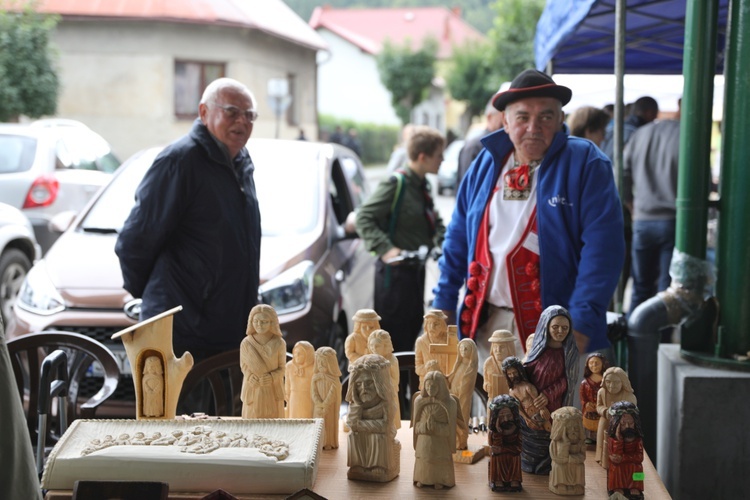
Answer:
(589, 122)
(650, 168)
(301, 136)
(644, 110)
(351, 141)
(537, 222)
(472, 147)
(400, 215)
(173, 252)
(338, 136)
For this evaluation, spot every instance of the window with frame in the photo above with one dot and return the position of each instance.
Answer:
(190, 80)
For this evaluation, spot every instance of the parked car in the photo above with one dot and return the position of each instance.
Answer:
(18, 251)
(50, 166)
(314, 274)
(448, 171)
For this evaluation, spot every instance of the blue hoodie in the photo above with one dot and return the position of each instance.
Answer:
(579, 218)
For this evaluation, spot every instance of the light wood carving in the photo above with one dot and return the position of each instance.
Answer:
(144, 341)
(326, 394)
(298, 381)
(568, 451)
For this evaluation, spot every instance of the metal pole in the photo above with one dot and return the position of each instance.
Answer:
(699, 63)
(733, 285)
(620, 15)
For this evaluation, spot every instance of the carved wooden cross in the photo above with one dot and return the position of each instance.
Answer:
(449, 349)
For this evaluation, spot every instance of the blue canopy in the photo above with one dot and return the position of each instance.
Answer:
(578, 36)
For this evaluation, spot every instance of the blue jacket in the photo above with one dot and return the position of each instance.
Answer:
(579, 218)
(193, 239)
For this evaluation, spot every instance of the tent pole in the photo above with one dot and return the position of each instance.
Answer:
(618, 145)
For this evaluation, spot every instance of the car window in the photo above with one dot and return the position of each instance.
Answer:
(16, 153)
(287, 182)
(356, 178)
(84, 150)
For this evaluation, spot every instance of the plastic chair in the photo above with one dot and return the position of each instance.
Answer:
(27, 353)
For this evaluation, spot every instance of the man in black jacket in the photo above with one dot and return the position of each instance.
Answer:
(193, 237)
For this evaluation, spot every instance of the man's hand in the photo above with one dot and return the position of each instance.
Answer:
(391, 254)
(582, 341)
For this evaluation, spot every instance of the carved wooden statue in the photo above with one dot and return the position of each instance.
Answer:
(625, 451)
(380, 343)
(326, 394)
(553, 368)
(615, 387)
(438, 342)
(434, 423)
(504, 439)
(596, 363)
(365, 322)
(529, 343)
(148, 345)
(263, 359)
(373, 452)
(298, 381)
(502, 346)
(461, 382)
(153, 388)
(568, 452)
(535, 415)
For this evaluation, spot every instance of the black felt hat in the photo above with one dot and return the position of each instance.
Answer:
(531, 83)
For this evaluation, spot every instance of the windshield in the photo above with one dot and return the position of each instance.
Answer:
(287, 181)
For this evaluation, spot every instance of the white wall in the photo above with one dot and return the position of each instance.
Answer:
(118, 76)
(349, 84)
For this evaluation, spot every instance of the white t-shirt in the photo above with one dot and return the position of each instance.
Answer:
(508, 220)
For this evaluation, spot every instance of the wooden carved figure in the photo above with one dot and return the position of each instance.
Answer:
(326, 394)
(568, 452)
(552, 367)
(380, 343)
(615, 387)
(504, 438)
(365, 322)
(529, 343)
(157, 373)
(596, 363)
(263, 359)
(625, 451)
(153, 388)
(373, 452)
(461, 382)
(434, 423)
(438, 343)
(502, 346)
(298, 381)
(535, 416)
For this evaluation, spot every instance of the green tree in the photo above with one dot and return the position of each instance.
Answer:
(28, 80)
(513, 35)
(407, 74)
(473, 76)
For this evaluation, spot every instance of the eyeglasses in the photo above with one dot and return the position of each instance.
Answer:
(233, 112)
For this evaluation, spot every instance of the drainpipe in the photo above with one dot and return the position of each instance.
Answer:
(689, 271)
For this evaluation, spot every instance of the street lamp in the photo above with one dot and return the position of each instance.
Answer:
(278, 98)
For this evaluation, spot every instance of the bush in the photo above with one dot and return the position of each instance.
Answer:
(377, 141)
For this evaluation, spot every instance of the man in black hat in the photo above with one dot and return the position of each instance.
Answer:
(537, 222)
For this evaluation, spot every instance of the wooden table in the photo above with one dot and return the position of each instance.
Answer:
(471, 480)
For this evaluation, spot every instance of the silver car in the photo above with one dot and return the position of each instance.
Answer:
(51, 166)
(18, 251)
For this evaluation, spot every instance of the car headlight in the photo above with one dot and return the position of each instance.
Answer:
(38, 295)
(291, 290)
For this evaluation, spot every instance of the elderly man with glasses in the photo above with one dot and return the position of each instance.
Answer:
(193, 237)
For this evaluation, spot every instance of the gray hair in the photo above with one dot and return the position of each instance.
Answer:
(215, 87)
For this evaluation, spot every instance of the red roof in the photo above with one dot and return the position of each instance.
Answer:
(275, 17)
(369, 29)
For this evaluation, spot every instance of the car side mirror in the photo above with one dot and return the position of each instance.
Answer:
(62, 221)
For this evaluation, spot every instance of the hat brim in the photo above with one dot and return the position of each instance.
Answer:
(559, 92)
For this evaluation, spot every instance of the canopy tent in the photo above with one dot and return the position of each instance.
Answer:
(578, 36)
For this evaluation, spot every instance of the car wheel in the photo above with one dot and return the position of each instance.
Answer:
(336, 339)
(14, 265)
